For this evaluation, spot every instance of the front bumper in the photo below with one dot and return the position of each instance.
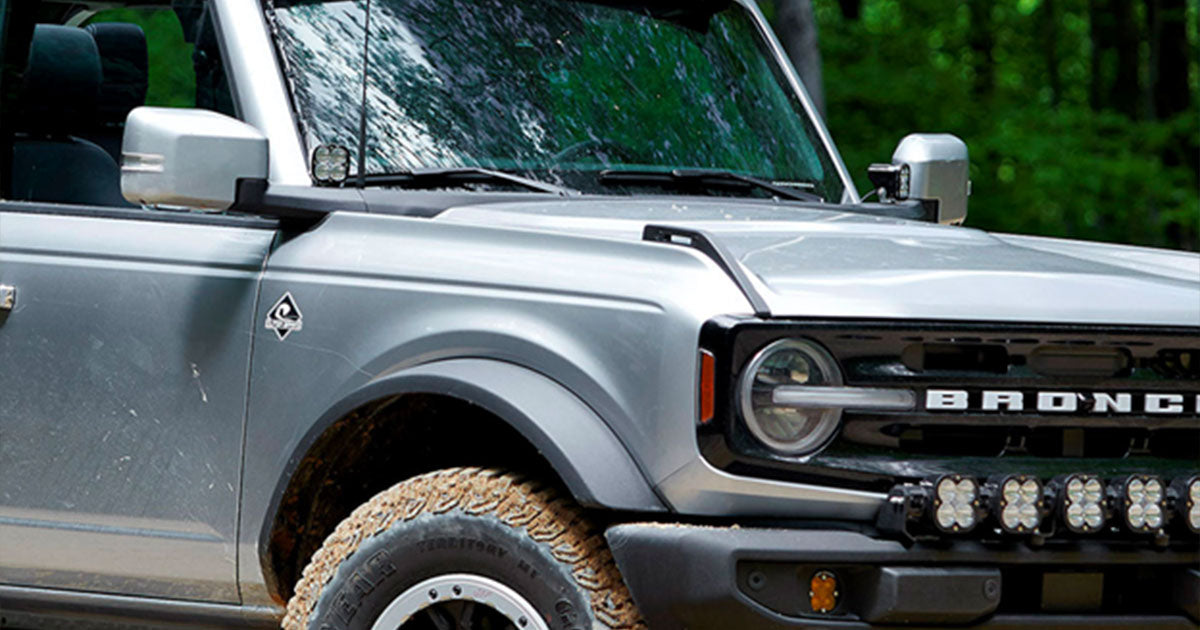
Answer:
(697, 577)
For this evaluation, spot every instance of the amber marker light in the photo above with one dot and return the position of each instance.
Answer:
(708, 386)
(823, 591)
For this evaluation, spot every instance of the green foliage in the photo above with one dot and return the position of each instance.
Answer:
(172, 74)
(1042, 162)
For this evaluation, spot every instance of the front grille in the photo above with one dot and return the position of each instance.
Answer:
(875, 449)
(1027, 361)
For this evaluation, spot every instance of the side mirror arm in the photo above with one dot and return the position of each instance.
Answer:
(298, 208)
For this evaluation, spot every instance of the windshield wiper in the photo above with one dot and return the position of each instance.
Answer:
(704, 178)
(456, 176)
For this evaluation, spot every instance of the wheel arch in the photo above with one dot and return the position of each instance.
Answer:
(509, 402)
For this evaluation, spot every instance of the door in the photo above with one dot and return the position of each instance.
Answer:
(123, 364)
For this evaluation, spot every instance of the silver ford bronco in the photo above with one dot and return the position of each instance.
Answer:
(548, 315)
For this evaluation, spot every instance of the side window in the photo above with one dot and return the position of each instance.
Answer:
(80, 72)
(185, 67)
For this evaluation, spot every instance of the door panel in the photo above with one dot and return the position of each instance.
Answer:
(123, 375)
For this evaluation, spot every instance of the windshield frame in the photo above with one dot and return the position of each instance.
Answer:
(773, 48)
(850, 194)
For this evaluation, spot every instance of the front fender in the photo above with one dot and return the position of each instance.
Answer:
(578, 444)
(585, 453)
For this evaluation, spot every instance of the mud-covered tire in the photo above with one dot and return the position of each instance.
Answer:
(464, 521)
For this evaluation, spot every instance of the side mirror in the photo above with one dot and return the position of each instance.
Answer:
(189, 157)
(932, 168)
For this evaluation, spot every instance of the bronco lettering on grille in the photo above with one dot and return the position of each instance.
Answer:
(1062, 402)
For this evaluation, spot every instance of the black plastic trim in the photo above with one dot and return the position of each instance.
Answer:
(296, 207)
(38, 606)
(707, 245)
(684, 576)
(138, 214)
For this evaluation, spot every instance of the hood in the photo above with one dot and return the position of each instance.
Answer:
(820, 263)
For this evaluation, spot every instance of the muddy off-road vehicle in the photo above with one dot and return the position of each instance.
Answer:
(548, 315)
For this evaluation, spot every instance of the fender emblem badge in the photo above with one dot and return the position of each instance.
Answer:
(285, 317)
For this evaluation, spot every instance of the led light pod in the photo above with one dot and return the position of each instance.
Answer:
(1185, 494)
(330, 164)
(1081, 503)
(1017, 503)
(1142, 499)
(955, 507)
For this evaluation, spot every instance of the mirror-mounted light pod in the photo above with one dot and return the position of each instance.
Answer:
(331, 164)
(956, 506)
(939, 172)
(891, 180)
(189, 158)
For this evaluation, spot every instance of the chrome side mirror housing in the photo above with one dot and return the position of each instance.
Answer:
(189, 158)
(932, 168)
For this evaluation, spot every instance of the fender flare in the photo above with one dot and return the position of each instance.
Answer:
(580, 447)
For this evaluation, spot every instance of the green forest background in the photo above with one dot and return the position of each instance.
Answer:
(1082, 116)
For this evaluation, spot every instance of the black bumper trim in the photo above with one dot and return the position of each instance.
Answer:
(684, 576)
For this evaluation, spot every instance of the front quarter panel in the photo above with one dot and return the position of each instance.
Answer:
(614, 322)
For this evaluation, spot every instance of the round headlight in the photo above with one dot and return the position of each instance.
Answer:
(789, 429)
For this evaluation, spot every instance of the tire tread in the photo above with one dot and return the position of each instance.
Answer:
(524, 504)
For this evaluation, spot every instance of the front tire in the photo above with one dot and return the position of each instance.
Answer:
(426, 552)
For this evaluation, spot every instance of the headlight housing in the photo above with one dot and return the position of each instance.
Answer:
(789, 429)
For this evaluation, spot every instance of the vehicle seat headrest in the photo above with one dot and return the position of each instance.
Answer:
(126, 66)
(62, 80)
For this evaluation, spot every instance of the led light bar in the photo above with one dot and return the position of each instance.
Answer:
(1021, 505)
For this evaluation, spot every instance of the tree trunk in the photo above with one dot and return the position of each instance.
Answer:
(1125, 89)
(1171, 93)
(981, 40)
(796, 27)
(851, 9)
(1050, 49)
(1153, 36)
(1100, 33)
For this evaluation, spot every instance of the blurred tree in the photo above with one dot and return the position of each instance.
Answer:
(1081, 115)
(1049, 43)
(797, 29)
(1124, 89)
(850, 8)
(981, 40)
(172, 74)
(1170, 54)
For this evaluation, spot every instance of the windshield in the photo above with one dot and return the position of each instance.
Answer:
(549, 89)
